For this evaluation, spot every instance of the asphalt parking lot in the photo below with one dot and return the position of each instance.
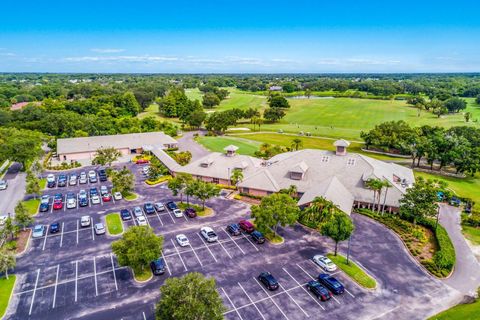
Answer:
(74, 275)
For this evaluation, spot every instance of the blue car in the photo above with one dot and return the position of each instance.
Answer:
(55, 227)
(234, 229)
(331, 283)
(171, 205)
(44, 207)
(125, 214)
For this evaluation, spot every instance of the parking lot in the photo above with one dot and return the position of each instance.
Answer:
(73, 273)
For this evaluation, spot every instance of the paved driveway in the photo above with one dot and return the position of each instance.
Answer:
(187, 143)
(15, 191)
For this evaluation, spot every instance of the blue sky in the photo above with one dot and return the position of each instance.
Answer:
(240, 36)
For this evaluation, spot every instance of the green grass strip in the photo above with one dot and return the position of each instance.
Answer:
(6, 288)
(114, 223)
(354, 271)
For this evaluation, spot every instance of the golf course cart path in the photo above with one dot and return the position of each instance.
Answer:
(187, 143)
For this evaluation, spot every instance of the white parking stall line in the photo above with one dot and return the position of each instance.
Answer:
(228, 253)
(34, 290)
(159, 219)
(78, 228)
(45, 239)
(144, 316)
(211, 253)
(51, 208)
(65, 203)
(179, 255)
(294, 301)
(271, 299)
(311, 277)
(89, 201)
(93, 232)
(303, 288)
(349, 293)
(170, 214)
(245, 237)
(61, 235)
(146, 218)
(195, 253)
(231, 302)
(113, 270)
(95, 272)
(251, 301)
(76, 279)
(56, 285)
(240, 248)
(166, 264)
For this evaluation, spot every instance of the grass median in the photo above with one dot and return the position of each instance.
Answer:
(6, 288)
(131, 196)
(114, 224)
(32, 206)
(201, 212)
(468, 311)
(353, 271)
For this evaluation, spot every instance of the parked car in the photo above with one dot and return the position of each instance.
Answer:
(71, 203)
(106, 197)
(62, 180)
(331, 283)
(182, 240)
(38, 231)
(190, 212)
(44, 207)
(234, 229)
(159, 207)
(455, 202)
(55, 227)
(103, 190)
(93, 191)
(117, 196)
(268, 280)
(148, 208)
(208, 234)
(158, 266)
(45, 199)
(51, 184)
(92, 176)
(50, 178)
(171, 205)
(146, 170)
(246, 226)
(83, 178)
(142, 221)
(57, 204)
(95, 199)
(178, 213)
(258, 237)
(324, 263)
(138, 212)
(319, 290)
(3, 185)
(83, 202)
(58, 196)
(85, 221)
(141, 161)
(102, 175)
(73, 180)
(99, 228)
(125, 214)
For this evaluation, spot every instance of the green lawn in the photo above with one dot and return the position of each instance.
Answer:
(217, 144)
(472, 234)
(43, 183)
(6, 287)
(469, 311)
(142, 277)
(200, 211)
(152, 110)
(354, 271)
(114, 223)
(465, 187)
(236, 99)
(131, 196)
(32, 205)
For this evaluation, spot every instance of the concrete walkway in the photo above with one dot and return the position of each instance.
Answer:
(466, 276)
(16, 189)
(187, 143)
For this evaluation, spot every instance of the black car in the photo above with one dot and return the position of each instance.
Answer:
(171, 205)
(331, 283)
(318, 290)
(258, 237)
(83, 202)
(158, 266)
(234, 229)
(62, 180)
(190, 212)
(44, 207)
(55, 227)
(93, 191)
(51, 184)
(149, 208)
(125, 214)
(268, 281)
(102, 175)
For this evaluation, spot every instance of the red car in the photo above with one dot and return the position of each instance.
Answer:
(106, 197)
(57, 204)
(246, 226)
(141, 161)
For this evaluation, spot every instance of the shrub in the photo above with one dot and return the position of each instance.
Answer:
(225, 186)
(250, 196)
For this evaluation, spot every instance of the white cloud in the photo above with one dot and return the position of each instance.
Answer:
(144, 58)
(107, 50)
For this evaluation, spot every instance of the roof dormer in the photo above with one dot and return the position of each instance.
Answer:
(230, 150)
(297, 172)
(206, 162)
(341, 147)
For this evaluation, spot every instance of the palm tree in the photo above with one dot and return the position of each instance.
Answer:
(319, 211)
(386, 185)
(297, 143)
(236, 177)
(376, 185)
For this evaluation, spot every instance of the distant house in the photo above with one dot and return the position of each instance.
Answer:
(21, 105)
(275, 88)
(73, 149)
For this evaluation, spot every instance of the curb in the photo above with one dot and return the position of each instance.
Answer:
(364, 270)
(106, 226)
(141, 282)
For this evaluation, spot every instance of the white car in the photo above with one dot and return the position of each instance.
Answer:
(178, 213)
(324, 263)
(2, 220)
(146, 170)
(83, 178)
(82, 194)
(182, 240)
(50, 178)
(3, 184)
(71, 203)
(142, 221)
(92, 175)
(38, 231)
(85, 221)
(99, 228)
(117, 196)
(208, 234)
(95, 199)
(45, 199)
(73, 180)
(138, 212)
(159, 207)
(103, 190)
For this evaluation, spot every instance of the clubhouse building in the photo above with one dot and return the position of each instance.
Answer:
(338, 176)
